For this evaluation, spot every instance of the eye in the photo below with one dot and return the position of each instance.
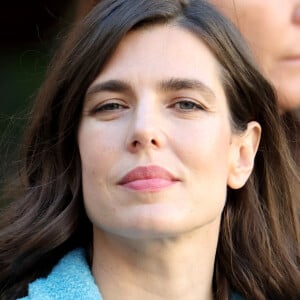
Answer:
(187, 105)
(108, 107)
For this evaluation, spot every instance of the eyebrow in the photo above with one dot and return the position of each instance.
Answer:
(169, 85)
(109, 86)
(177, 84)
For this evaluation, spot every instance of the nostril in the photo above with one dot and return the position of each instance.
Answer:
(135, 143)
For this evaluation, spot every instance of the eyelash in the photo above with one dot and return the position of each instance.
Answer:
(115, 106)
(196, 106)
(107, 107)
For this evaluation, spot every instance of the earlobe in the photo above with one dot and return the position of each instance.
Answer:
(244, 148)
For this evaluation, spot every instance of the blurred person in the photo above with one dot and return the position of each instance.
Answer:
(150, 167)
(272, 29)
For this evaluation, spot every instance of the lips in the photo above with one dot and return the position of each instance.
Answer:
(292, 58)
(150, 178)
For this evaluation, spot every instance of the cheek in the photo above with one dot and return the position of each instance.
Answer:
(257, 25)
(99, 153)
(97, 146)
(205, 145)
(226, 7)
(205, 157)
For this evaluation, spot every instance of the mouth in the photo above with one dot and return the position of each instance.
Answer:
(148, 178)
(292, 59)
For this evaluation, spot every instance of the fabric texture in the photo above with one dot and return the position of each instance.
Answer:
(235, 296)
(70, 279)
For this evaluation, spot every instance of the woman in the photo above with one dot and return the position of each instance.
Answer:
(272, 29)
(151, 167)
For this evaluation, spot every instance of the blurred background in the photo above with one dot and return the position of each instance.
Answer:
(30, 31)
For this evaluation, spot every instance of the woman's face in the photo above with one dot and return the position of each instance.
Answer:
(272, 28)
(155, 139)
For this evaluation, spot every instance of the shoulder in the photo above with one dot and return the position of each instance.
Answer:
(70, 279)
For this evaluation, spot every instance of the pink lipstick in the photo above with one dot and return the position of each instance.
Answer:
(293, 59)
(148, 179)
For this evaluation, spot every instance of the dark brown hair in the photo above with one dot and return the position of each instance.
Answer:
(258, 250)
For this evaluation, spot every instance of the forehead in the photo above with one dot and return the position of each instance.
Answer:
(162, 50)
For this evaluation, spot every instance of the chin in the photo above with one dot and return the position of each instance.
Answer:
(148, 228)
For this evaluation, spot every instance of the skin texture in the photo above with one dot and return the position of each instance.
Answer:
(272, 29)
(185, 130)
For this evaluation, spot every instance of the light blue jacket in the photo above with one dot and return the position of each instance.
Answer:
(70, 279)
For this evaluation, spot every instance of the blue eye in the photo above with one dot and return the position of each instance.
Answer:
(187, 105)
(110, 106)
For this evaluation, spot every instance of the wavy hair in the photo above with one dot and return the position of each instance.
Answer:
(258, 249)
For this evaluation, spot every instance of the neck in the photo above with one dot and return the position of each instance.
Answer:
(178, 267)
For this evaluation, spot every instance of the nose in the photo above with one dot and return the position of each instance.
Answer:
(296, 14)
(146, 131)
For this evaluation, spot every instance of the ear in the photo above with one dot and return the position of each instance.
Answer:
(243, 151)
